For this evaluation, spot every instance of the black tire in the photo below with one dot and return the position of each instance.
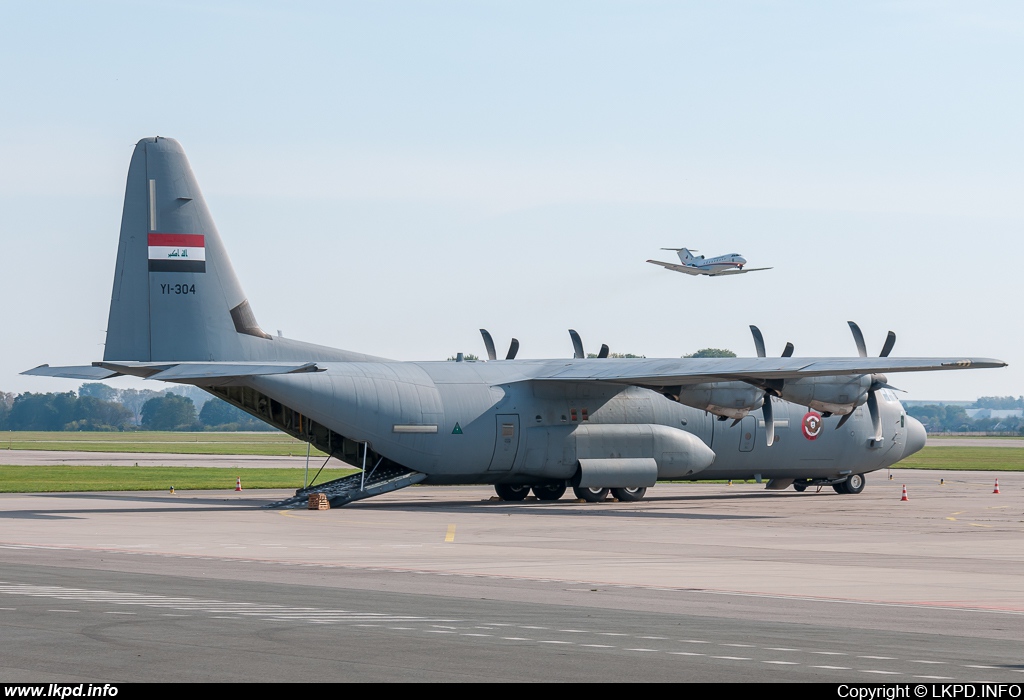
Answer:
(840, 487)
(549, 492)
(590, 495)
(511, 492)
(800, 486)
(629, 495)
(855, 484)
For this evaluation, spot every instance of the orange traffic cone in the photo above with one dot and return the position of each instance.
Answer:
(996, 490)
(904, 493)
(238, 484)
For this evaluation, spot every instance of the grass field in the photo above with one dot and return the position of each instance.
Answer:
(966, 459)
(274, 444)
(67, 479)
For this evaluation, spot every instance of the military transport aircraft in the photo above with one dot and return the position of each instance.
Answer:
(178, 314)
(731, 264)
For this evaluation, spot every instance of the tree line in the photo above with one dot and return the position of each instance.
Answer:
(100, 407)
(953, 418)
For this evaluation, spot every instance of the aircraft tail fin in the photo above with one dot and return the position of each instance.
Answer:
(175, 295)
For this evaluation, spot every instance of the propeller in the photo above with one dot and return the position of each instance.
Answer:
(489, 344)
(878, 381)
(577, 346)
(513, 347)
(769, 392)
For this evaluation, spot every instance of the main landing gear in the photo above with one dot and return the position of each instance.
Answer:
(511, 492)
(554, 491)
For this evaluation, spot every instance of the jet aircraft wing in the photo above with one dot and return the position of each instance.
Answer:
(687, 269)
(737, 272)
(682, 371)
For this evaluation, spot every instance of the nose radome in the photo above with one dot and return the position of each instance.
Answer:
(916, 437)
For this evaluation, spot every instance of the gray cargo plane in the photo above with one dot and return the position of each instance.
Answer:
(178, 314)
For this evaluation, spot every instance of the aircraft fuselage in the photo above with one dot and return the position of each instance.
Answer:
(473, 422)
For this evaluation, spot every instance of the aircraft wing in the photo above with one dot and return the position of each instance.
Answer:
(737, 272)
(186, 372)
(686, 269)
(677, 372)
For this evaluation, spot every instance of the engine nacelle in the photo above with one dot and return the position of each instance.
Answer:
(830, 394)
(730, 399)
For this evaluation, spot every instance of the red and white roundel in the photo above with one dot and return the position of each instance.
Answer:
(812, 425)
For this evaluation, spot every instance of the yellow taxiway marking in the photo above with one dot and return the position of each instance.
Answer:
(450, 537)
(948, 518)
(980, 525)
(995, 507)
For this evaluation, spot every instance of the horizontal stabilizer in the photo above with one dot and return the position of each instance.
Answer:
(223, 370)
(85, 372)
(189, 372)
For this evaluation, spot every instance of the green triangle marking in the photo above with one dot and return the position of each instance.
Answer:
(457, 430)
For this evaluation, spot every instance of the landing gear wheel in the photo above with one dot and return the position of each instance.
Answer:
(511, 492)
(628, 495)
(855, 484)
(840, 487)
(590, 495)
(800, 486)
(549, 492)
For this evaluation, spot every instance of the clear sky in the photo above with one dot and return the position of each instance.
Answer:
(391, 176)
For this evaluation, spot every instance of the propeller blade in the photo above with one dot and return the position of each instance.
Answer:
(890, 341)
(577, 344)
(758, 340)
(876, 421)
(788, 351)
(513, 348)
(844, 419)
(489, 344)
(604, 351)
(858, 338)
(769, 423)
(735, 421)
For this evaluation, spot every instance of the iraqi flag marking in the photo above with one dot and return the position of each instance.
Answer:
(177, 252)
